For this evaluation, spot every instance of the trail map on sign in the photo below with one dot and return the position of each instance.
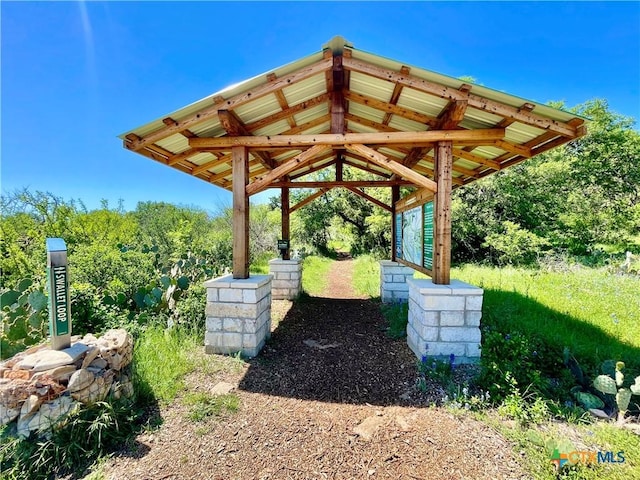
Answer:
(412, 236)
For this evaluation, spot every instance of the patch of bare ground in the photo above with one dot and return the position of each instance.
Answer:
(329, 397)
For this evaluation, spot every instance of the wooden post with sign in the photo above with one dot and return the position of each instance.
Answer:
(240, 160)
(59, 300)
(442, 214)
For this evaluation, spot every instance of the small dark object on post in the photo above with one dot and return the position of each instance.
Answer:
(283, 246)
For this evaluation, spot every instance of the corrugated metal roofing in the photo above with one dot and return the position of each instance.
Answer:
(378, 96)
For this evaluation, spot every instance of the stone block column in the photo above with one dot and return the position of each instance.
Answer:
(287, 278)
(238, 314)
(393, 281)
(444, 319)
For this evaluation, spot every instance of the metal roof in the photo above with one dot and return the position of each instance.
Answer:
(378, 95)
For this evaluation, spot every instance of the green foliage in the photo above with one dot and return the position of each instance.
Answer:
(571, 199)
(87, 434)
(397, 316)
(526, 408)
(366, 276)
(203, 405)
(315, 271)
(23, 317)
(160, 361)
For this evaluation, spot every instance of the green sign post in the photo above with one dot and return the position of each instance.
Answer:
(59, 301)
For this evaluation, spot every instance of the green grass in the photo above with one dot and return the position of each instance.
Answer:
(160, 362)
(590, 311)
(366, 276)
(315, 274)
(203, 405)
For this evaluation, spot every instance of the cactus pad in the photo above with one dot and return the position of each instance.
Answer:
(588, 401)
(635, 388)
(622, 399)
(605, 384)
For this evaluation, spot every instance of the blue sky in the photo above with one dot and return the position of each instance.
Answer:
(77, 74)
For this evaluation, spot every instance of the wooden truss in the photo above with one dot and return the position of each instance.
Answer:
(423, 133)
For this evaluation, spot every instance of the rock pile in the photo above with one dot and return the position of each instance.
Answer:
(39, 386)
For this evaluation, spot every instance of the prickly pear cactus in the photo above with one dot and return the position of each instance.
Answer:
(622, 399)
(588, 401)
(605, 384)
(635, 388)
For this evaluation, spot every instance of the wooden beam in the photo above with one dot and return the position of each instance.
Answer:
(344, 183)
(452, 115)
(339, 165)
(395, 95)
(235, 128)
(240, 157)
(395, 196)
(340, 140)
(308, 125)
(390, 108)
(393, 166)
(442, 215)
(414, 199)
(284, 114)
(337, 109)
(452, 94)
(414, 156)
(373, 200)
(296, 162)
(236, 101)
(286, 231)
(513, 148)
(472, 157)
(381, 127)
(282, 100)
(309, 199)
(206, 166)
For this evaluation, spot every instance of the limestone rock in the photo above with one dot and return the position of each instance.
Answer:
(368, 427)
(222, 388)
(15, 392)
(90, 356)
(59, 373)
(80, 380)
(48, 359)
(8, 415)
(30, 405)
(99, 363)
(46, 417)
(96, 392)
(18, 374)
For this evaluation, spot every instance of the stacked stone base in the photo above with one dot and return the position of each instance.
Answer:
(444, 320)
(287, 278)
(393, 282)
(238, 315)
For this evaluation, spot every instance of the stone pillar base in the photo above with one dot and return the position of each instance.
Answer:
(238, 314)
(287, 278)
(444, 319)
(393, 281)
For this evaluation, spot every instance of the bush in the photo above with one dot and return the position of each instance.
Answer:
(516, 245)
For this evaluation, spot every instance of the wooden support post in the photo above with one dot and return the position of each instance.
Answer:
(395, 196)
(240, 162)
(284, 200)
(442, 214)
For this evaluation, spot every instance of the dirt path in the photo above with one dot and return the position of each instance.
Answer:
(329, 397)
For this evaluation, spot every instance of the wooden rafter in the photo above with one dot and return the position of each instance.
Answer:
(381, 127)
(210, 112)
(393, 166)
(284, 114)
(365, 168)
(373, 200)
(285, 168)
(472, 157)
(452, 115)
(235, 128)
(337, 107)
(282, 100)
(452, 94)
(386, 138)
(344, 183)
(309, 199)
(390, 108)
(395, 95)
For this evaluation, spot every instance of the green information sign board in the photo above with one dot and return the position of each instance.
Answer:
(59, 301)
(427, 210)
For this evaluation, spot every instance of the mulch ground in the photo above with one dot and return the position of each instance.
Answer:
(331, 396)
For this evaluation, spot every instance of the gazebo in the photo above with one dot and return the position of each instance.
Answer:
(343, 108)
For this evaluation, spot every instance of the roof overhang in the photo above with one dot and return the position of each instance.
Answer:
(347, 108)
